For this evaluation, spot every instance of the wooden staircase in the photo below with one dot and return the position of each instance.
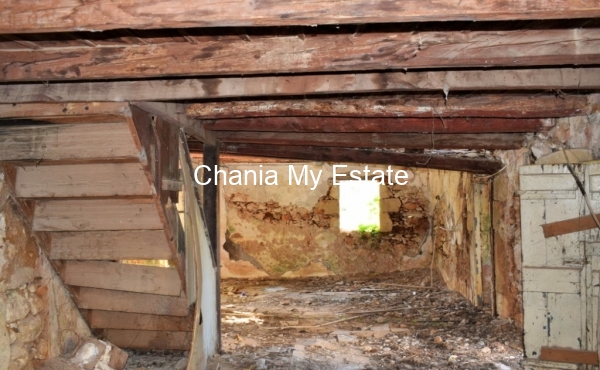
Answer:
(103, 189)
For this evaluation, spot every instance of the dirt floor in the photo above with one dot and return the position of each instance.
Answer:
(394, 321)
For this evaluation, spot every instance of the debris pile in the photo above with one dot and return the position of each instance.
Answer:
(394, 321)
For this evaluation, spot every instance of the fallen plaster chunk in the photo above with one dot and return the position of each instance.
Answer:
(92, 354)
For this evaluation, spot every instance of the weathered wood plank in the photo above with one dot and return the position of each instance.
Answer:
(175, 114)
(352, 155)
(569, 355)
(67, 142)
(206, 88)
(110, 245)
(98, 15)
(53, 110)
(158, 139)
(319, 53)
(98, 319)
(96, 215)
(120, 276)
(82, 180)
(146, 339)
(355, 124)
(114, 300)
(500, 106)
(373, 140)
(569, 226)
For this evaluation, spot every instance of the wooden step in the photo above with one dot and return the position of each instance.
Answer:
(115, 300)
(82, 180)
(123, 277)
(70, 142)
(135, 321)
(95, 215)
(110, 245)
(146, 339)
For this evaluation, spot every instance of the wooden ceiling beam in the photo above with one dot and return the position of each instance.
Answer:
(47, 110)
(319, 53)
(306, 85)
(434, 124)
(367, 156)
(505, 141)
(485, 105)
(98, 15)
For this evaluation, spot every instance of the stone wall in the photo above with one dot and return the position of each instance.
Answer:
(582, 132)
(291, 230)
(38, 319)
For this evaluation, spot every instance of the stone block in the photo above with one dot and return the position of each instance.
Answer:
(390, 205)
(385, 223)
(16, 306)
(30, 328)
(328, 207)
(384, 192)
(334, 192)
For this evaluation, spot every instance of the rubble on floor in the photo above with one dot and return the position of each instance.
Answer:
(394, 321)
(156, 360)
(92, 354)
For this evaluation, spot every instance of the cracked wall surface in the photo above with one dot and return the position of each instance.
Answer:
(38, 319)
(290, 230)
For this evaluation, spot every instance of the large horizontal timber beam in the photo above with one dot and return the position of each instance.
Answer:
(421, 106)
(307, 85)
(434, 124)
(97, 15)
(367, 156)
(377, 140)
(318, 53)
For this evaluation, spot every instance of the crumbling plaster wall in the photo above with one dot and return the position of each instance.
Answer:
(38, 319)
(292, 231)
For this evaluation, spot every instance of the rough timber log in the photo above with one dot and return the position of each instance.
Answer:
(317, 53)
(374, 140)
(97, 15)
(354, 155)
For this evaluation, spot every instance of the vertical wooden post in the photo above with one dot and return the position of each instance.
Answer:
(210, 198)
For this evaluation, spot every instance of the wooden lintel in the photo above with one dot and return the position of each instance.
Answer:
(437, 124)
(353, 155)
(400, 106)
(569, 355)
(321, 53)
(98, 15)
(305, 85)
(378, 140)
(569, 226)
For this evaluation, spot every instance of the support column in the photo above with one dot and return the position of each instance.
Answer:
(210, 199)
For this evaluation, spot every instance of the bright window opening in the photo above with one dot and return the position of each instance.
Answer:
(359, 206)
